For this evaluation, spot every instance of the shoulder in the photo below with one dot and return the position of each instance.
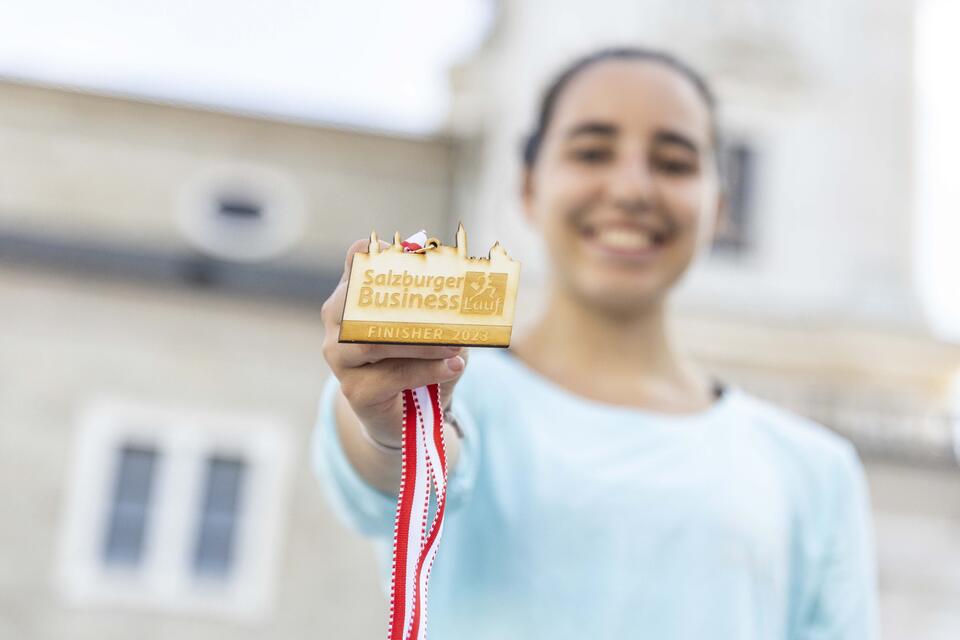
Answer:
(828, 496)
(819, 464)
(800, 434)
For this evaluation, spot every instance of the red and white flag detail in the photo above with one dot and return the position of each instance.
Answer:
(423, 467)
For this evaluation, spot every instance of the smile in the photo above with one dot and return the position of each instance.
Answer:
(623, 242)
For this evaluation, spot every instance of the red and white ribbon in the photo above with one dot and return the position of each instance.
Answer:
(423, 467)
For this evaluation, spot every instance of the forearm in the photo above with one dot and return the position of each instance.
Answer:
(379, 468)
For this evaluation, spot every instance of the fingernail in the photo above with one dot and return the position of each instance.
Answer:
(455, 364)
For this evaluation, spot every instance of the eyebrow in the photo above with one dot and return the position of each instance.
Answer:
(672, 137)
(598, 128)
(594, 128)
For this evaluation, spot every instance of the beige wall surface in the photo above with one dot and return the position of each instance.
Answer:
(99, 167)
(79, 168)
(65, 341)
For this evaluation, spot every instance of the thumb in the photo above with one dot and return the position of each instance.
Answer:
(446, 388)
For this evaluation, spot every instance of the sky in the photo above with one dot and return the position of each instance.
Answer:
(372, 64)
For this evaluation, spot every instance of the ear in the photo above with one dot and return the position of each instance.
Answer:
(527, 193)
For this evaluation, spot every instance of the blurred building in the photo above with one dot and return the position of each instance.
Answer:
(161, 270)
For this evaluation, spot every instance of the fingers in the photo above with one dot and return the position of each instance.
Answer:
(332, 310)
(382, 381)
(357, 355)
(446, 388)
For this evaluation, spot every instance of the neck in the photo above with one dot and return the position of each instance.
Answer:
(638, 342)
(620, 357)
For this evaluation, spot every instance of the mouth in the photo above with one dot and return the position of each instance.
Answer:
(620, 241)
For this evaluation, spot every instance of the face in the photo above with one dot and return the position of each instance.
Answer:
(625, 188)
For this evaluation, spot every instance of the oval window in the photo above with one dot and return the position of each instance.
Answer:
(245, 214)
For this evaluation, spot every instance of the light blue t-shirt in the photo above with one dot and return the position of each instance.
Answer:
(571, 518)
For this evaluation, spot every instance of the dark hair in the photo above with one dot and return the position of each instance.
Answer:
(531, 146)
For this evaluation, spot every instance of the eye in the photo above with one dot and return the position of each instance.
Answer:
(676, 166)
(592, 155)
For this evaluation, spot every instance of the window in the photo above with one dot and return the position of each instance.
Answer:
(738, 162)
(213, 555)
(240, 210)
(241, 213)
(175, 509)
(130, 506)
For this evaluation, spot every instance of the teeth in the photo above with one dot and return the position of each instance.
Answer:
(624, 238)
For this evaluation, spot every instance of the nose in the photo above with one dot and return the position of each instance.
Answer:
(631, 183)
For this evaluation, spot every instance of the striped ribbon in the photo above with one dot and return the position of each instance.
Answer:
(423, 468)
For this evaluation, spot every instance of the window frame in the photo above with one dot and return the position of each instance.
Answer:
(185, 439)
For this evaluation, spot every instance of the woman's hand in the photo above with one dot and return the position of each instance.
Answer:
(372, 377)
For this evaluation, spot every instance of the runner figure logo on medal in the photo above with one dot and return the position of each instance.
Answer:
(418, 291)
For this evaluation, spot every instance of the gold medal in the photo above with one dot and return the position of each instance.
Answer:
(426, 293)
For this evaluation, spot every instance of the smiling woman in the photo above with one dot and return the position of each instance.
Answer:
(605, 486)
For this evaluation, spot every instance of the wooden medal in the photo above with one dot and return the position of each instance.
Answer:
(428, 293)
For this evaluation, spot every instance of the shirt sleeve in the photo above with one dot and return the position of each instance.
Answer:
(845, 601)
(363, 507)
